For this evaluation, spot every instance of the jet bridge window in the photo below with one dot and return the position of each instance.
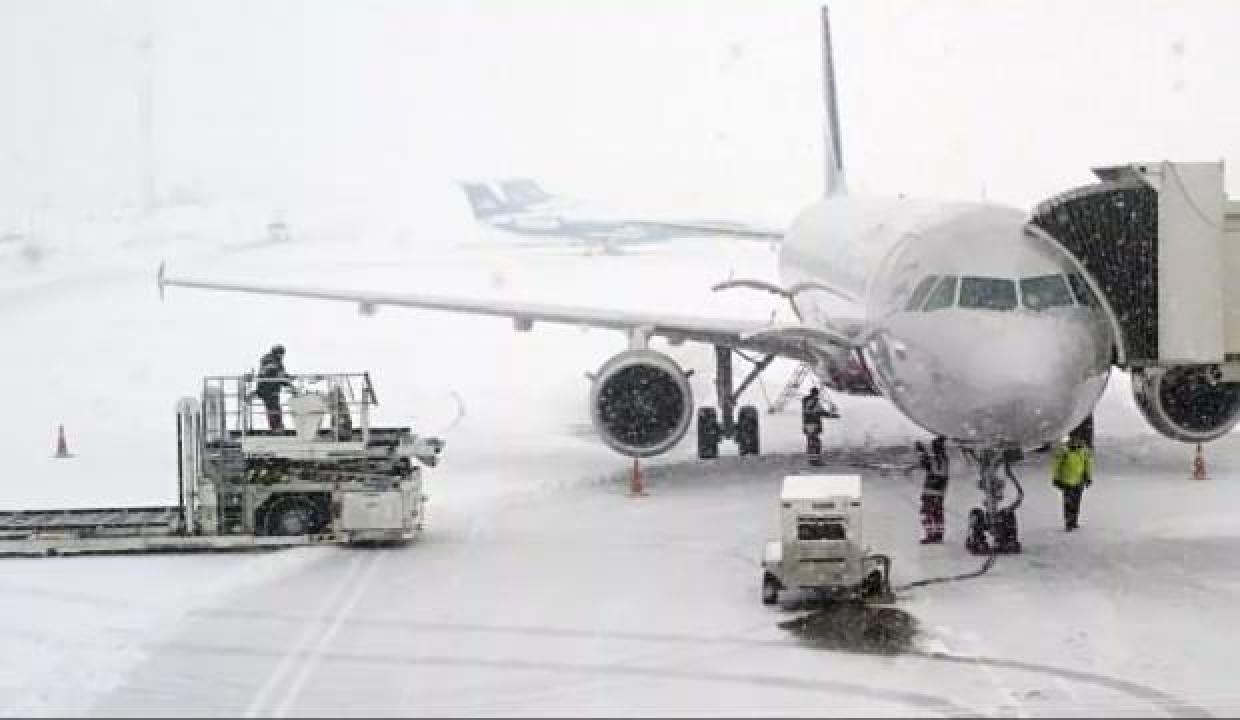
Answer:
(920, 292)
(988, 293)
(821, 529)
(944, 295)
(1045, 291)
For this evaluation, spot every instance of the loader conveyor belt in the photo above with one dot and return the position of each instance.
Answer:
(47, 544)
(92, 521)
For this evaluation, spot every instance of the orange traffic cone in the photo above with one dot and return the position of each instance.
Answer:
(62, 447)
(635, 481)
(1199, 465)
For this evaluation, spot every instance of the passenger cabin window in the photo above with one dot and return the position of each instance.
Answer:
(988, 293)
(1081, 290)
(1045, 291)
(944, 295)
(809, 529)
(920, 292)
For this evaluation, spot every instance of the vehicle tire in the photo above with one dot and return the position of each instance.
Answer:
(293, 515)
(770, 589)
(748, 438)
(708, 433)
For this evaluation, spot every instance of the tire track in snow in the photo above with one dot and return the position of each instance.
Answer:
(1165, 702)
(1169, 704)
(920, 701)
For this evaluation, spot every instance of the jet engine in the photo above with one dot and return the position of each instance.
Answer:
(641, 403)
(1187, 403)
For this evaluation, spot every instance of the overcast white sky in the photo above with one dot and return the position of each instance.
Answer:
(706, 104)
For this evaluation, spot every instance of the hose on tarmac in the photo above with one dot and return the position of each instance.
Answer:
(985, 567)
(990, 555)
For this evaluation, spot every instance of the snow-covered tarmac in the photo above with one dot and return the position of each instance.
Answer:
(539, 587)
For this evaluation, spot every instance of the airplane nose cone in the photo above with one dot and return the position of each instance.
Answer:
(1013, 378)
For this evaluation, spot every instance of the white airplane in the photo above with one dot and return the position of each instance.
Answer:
(521, 207)
(973, 322)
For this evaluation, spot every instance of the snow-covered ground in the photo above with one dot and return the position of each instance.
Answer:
(539, 587)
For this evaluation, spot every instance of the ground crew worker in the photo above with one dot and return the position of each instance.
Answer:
(812, 414)
(272, 377)
(1072, 471)
(933, 492)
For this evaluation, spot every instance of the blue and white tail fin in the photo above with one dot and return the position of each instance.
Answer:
(836, 183)
(483, 200)
(523, 192)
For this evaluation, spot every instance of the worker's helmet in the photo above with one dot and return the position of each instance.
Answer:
(277, 349)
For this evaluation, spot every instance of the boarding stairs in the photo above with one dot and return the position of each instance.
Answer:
(791, 388)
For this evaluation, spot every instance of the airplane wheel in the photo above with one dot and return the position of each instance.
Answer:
(748, 438)
(975, 541)
(872, 586)
(770, 589)
(708, 433)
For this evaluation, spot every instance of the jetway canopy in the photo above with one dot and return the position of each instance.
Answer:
(1161, 242)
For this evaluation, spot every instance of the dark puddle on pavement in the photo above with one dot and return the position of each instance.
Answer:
(850, 627)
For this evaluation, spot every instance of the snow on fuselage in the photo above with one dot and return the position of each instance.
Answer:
(982, 330)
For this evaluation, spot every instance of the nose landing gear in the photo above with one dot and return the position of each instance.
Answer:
(993, 528)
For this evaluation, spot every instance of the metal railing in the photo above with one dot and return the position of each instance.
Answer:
(232, 408)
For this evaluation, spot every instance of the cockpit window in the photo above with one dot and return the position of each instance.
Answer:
(1044, 291)
(1080, 288)
(988, 293)
(944, 295)
(920, 292)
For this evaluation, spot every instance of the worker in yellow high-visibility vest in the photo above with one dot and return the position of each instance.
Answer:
(1072, 470)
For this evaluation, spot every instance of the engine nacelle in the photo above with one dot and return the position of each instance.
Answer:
(1186, 404)
(641, 403)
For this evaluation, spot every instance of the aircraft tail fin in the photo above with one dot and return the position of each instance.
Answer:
(835, 180)
(523, 192)
(483, 200)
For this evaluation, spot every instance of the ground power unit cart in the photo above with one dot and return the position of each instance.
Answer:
(820, 550)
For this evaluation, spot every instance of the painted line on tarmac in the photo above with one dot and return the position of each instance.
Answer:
(260, 699)
(314, 658)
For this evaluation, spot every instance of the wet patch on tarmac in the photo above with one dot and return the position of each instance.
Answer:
(854, 627)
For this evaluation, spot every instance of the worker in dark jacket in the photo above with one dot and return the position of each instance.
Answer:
(1072, 471)
(812, 413)
(272, 377)
(934, 490)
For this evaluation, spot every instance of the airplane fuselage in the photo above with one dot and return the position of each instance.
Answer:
(980, 328)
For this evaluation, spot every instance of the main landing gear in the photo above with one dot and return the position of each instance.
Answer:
(993, 528)
(716, 425)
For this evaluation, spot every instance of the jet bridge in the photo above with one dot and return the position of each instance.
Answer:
(1160, 243)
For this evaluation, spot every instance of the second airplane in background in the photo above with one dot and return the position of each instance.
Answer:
(521, 206)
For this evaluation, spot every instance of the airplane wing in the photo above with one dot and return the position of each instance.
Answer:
(793, 341)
